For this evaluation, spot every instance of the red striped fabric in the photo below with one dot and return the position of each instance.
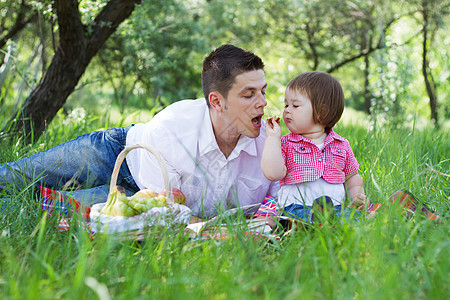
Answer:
(65, 206)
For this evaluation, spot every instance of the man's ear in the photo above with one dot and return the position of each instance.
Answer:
(216, 101)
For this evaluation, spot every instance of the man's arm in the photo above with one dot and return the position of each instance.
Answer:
(145, 167)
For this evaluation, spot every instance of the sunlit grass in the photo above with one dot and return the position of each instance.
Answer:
(391, 257)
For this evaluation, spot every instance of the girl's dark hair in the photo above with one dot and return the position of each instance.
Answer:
(221, 67)
(325, 93)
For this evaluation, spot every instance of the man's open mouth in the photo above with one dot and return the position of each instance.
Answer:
(257, 121)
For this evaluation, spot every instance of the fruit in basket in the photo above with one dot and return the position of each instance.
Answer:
(178, 196)
(119, 204)
(145, 193)
(147, 200)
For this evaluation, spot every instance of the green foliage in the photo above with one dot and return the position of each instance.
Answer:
(390, 257)
(152, 56)
(89, 9)
(155, 57)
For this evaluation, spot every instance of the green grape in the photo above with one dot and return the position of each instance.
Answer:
(129, 212)
(137, 206)
(119, 204)
(161, 201)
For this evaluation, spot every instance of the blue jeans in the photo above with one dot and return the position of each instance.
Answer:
(305, 213)
(85, 164)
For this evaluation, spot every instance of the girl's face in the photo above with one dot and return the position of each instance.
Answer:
(298, 114)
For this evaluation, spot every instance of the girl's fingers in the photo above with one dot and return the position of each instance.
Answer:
(272, 120)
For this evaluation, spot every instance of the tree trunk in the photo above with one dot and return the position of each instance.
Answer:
(426, 72)
(312, 46)
(75, 50)
(366, 43)
(367, 93)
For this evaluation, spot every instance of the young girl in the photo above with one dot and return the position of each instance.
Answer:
(312, 162)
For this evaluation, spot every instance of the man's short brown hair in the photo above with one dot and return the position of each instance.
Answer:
(325, 93)
(221, 67)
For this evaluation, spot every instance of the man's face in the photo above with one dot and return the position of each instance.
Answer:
(245, 104)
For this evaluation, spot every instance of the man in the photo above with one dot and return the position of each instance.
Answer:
(212, 147)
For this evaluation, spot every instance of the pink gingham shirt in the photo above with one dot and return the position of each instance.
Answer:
(306, 162)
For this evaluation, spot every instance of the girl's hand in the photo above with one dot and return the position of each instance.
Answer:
(359, 201)
(272, 161)
(273, 127)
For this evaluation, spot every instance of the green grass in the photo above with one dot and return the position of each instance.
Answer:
(390, 257)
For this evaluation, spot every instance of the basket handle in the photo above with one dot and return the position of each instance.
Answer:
(161, 162)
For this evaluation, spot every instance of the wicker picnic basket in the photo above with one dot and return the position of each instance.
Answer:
(171, 214)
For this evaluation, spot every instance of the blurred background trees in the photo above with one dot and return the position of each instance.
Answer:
(390, 56)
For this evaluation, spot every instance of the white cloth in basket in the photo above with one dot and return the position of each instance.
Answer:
(157, 216)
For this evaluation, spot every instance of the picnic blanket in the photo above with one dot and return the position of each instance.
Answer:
(65, 207)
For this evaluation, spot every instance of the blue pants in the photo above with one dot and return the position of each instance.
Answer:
(306, 213)
(85, 163)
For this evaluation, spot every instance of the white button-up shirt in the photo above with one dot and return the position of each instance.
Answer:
(184, 136)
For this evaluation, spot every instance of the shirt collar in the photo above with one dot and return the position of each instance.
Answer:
(245, 144)
(333, 136)
(207, 141)
(292, 137)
